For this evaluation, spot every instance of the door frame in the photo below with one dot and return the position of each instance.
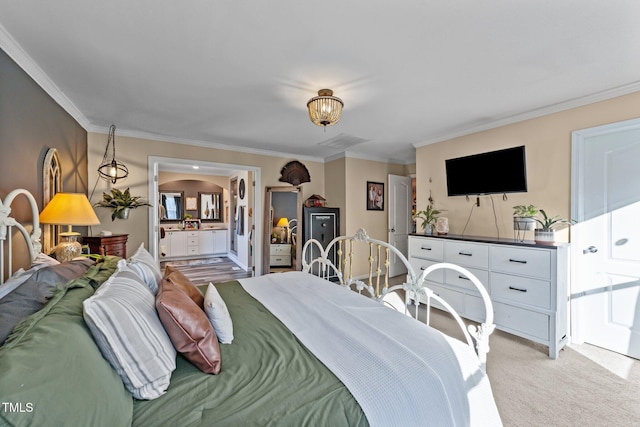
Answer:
(153, 166)
(266, 225)
(396, 268)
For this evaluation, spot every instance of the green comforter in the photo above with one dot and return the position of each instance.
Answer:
(267, 378)
(52, 374)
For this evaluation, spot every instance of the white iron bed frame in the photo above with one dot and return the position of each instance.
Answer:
(7, 223)
(415, 286)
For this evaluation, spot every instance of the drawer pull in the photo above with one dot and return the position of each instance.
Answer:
(463, 277)
(517, 289)
(519, 261)
(465, 253)
(425, 248)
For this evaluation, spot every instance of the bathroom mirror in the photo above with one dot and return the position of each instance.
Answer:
(171, 205)
(210, 206)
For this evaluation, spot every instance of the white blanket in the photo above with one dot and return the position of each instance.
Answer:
(400, 371)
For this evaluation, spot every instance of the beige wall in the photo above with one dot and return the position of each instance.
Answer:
(134, 152)
(548, 150)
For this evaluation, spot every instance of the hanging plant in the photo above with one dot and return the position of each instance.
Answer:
(121, 202)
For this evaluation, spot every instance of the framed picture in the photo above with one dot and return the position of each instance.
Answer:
(192, 204)
(375, 196)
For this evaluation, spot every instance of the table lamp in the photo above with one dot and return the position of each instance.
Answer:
(69, 209)
(284, 223)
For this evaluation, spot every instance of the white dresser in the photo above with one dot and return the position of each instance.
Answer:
(280, 255)
(194, 243)
(527, 282)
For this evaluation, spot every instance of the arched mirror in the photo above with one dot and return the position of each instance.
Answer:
(171, 206)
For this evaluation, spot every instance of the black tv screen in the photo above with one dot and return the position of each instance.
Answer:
(502, 171)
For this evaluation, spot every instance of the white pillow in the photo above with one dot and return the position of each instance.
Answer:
(218, 315)
(144, 265)
(123, 320)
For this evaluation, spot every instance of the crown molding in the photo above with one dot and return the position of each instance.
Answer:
(538, 112)
(29, 66)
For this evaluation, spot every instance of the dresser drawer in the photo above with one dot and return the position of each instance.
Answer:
(454, 298)
(426, 248)
(452, 277)
(521, 321)
(521, 289)
(193, 250)
(525, 262)
(192, 241)
(280, 249)
(419, 264)
(280, 260)
(192, 233)
(467, 254)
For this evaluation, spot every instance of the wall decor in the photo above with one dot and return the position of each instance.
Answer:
(191, 203)
(295, 173)
(241, 189)
(375, 196)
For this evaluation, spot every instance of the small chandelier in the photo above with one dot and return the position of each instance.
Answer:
(112, 170)
(325, 109)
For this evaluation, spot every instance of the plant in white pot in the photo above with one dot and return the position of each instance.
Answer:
(548, 226)
(524, 217)
(428, 218)
(121, 202)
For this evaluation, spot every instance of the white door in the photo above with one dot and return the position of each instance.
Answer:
(605, 290)
(399, 220)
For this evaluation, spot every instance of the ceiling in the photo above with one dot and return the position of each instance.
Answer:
(238, 74)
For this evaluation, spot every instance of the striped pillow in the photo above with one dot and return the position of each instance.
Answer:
(145, 266)
(123, 320)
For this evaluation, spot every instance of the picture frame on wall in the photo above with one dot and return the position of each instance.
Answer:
(375, 196)
(192, 203)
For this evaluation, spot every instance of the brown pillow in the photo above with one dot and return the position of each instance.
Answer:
(188, 327)
(182, 282)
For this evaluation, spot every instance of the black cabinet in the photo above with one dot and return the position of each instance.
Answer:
(323, 225)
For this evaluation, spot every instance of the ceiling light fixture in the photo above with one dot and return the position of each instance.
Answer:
(325, 109)
(112, 170)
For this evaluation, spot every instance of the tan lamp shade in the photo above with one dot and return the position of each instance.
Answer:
(69, 209)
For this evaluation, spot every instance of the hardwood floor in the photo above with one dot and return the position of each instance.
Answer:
(205, 270)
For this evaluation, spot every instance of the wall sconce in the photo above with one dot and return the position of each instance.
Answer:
(112, 170)
(69, 209)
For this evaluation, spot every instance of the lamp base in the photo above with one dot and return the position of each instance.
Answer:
(69, 247)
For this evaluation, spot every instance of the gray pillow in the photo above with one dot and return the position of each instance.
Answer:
(33, 294)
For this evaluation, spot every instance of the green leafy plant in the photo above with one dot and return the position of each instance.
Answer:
(119, 201)
(427, 216)
(525, 211)
(548, 223)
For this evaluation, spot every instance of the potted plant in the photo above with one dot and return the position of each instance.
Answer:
(121, 202)
(428, 217)
(548, 225)
(524, 217)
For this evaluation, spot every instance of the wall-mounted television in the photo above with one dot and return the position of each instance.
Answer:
(494, 172)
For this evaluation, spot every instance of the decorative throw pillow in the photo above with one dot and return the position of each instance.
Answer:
(183, 282)
(145, 266)
(188, 326)
(31, 291)
(123, 320)
(218, 314)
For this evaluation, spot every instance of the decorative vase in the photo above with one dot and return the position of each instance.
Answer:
(123, 214)
(542, 237)
(428, 229)
(442, 225)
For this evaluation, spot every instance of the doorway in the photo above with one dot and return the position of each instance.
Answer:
(605, 293)
(155, 163)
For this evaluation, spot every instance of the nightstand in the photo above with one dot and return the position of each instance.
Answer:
(115, 244)
(280, 255)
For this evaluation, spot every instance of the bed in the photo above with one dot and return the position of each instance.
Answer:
(295, 349)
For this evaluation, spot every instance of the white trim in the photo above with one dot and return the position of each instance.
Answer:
(538, 112)
(29, 66)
